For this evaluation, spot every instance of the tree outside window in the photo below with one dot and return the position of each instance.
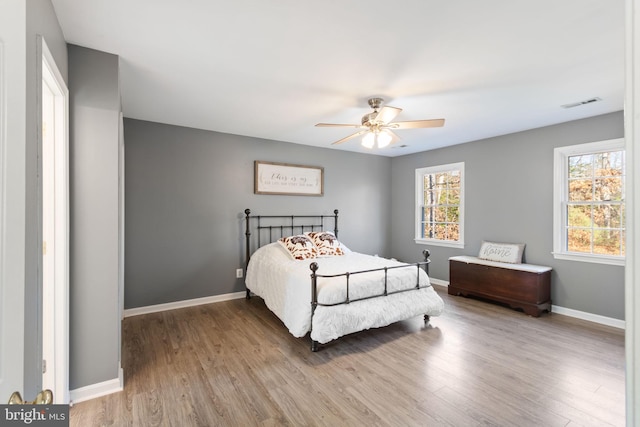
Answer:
(439, 203)
(590, 210)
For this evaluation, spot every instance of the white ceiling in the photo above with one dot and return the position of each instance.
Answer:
(273, 69)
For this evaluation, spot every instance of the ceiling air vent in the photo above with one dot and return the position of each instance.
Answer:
(585, 102)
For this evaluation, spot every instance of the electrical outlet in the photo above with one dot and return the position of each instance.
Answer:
(239, 273)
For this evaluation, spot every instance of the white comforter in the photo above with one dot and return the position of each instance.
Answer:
(285, 286)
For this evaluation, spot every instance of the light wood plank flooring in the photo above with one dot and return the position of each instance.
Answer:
(234, 364)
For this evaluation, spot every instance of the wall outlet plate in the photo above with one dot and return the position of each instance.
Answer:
(239, 273)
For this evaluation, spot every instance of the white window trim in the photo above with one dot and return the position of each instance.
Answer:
(418, 202)
(560, 178)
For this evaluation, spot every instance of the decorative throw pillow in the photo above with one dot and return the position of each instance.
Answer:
(326, 242)
(299, 247)
(502, 252)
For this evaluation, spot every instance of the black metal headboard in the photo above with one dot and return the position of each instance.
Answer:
(269, 228)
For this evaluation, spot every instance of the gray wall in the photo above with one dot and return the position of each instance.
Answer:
(94, 144)
(185, 193)
(509, 198)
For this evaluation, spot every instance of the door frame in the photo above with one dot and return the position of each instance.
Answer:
(60, 301)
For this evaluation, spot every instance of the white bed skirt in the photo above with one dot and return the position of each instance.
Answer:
(330, 323)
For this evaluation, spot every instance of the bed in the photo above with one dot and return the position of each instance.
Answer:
(333, 291)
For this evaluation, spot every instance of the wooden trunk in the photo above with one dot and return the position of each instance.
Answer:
(529, 291)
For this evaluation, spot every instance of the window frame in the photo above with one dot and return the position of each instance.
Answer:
(561, 195)
(419, 202)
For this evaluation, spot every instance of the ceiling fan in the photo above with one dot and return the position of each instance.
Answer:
(377, 126)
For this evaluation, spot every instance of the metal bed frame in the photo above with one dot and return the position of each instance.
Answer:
(277, 226)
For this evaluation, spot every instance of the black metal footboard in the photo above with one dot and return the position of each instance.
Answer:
(314, 286)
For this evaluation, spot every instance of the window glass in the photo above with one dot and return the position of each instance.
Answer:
(589, 202)
(439, 202)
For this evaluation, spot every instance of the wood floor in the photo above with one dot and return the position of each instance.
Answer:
(234, 364)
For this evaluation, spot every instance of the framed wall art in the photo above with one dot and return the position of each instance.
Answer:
(288, 179)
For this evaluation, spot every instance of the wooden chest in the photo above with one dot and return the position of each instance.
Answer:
(521, 286)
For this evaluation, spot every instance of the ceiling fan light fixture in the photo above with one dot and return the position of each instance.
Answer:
(369, 140)
(376, 138)
(384, 139)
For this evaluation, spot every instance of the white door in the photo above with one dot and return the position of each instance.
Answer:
(48, 231)
(55, 230)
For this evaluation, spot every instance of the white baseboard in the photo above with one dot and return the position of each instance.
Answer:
(596, 318)
(182, 304)
(438, 282)
(97, 390)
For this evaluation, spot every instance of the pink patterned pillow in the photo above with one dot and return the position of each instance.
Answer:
(299, 247)
(326, 242)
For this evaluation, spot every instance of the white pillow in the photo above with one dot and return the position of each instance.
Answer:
(502, 252)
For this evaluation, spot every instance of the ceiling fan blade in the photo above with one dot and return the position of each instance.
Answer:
(416, 124)
(386, 114)
(327, 125)
(353, 135)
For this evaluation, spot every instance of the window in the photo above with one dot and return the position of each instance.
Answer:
(589, 206)
(440, 205)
